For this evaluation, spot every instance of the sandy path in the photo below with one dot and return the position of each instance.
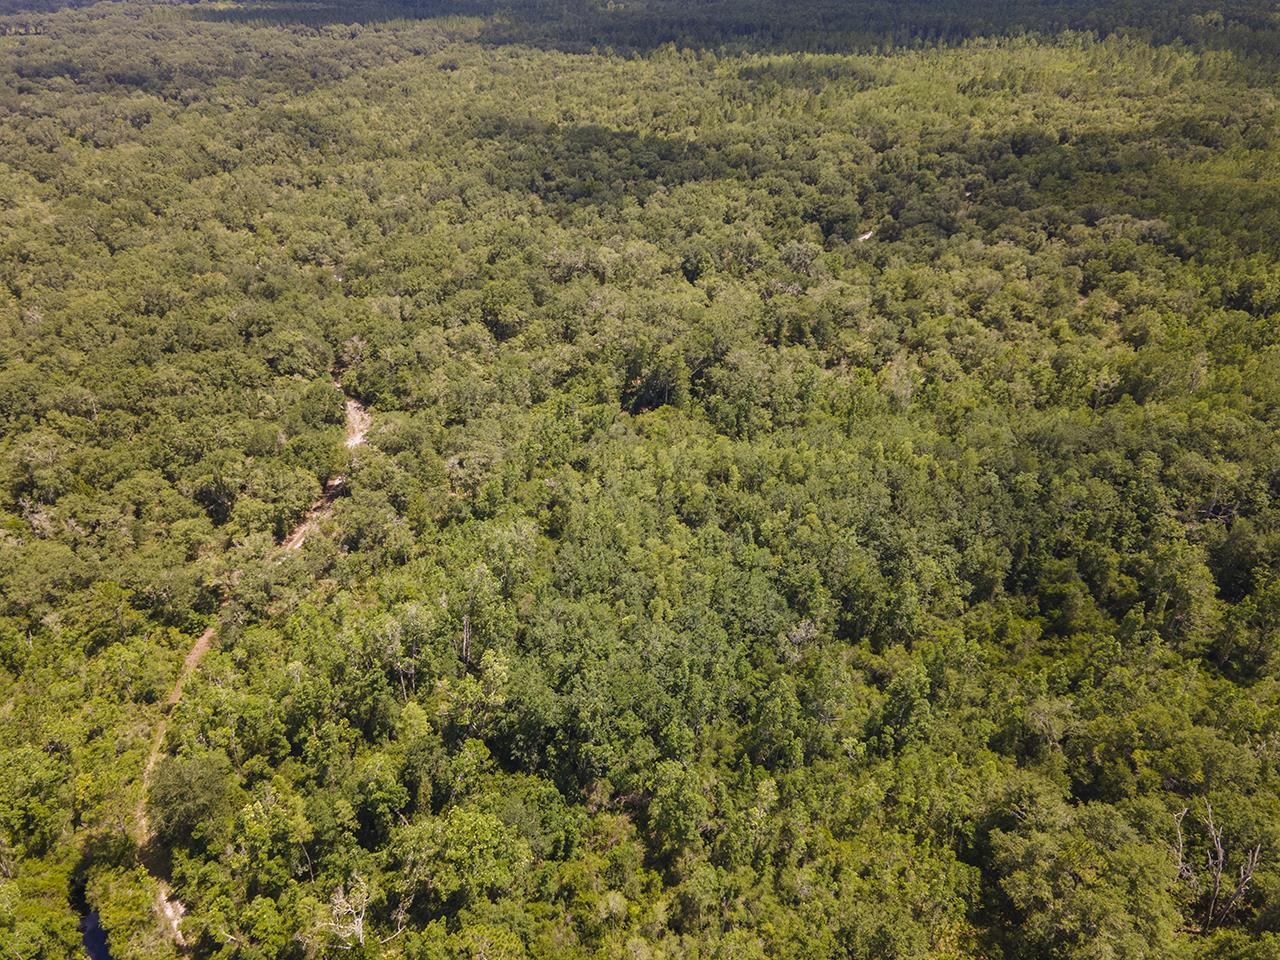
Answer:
(358, 422)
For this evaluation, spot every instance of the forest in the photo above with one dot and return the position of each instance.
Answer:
(584, 479)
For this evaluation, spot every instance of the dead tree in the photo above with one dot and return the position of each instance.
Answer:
(1220, 892)
(349, 906)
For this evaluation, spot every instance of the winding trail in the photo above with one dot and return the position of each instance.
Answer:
(167, 906)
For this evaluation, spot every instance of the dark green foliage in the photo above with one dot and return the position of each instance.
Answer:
(187, 793)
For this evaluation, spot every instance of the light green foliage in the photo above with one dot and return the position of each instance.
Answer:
(1089, 887)
(460, 857)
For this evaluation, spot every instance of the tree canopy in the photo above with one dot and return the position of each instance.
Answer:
(821, 496)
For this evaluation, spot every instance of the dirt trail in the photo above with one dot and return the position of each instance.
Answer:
(189, 664)
(359, 420)
(169, 907)
(358, 423)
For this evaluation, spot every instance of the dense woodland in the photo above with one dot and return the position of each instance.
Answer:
(821, 498)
